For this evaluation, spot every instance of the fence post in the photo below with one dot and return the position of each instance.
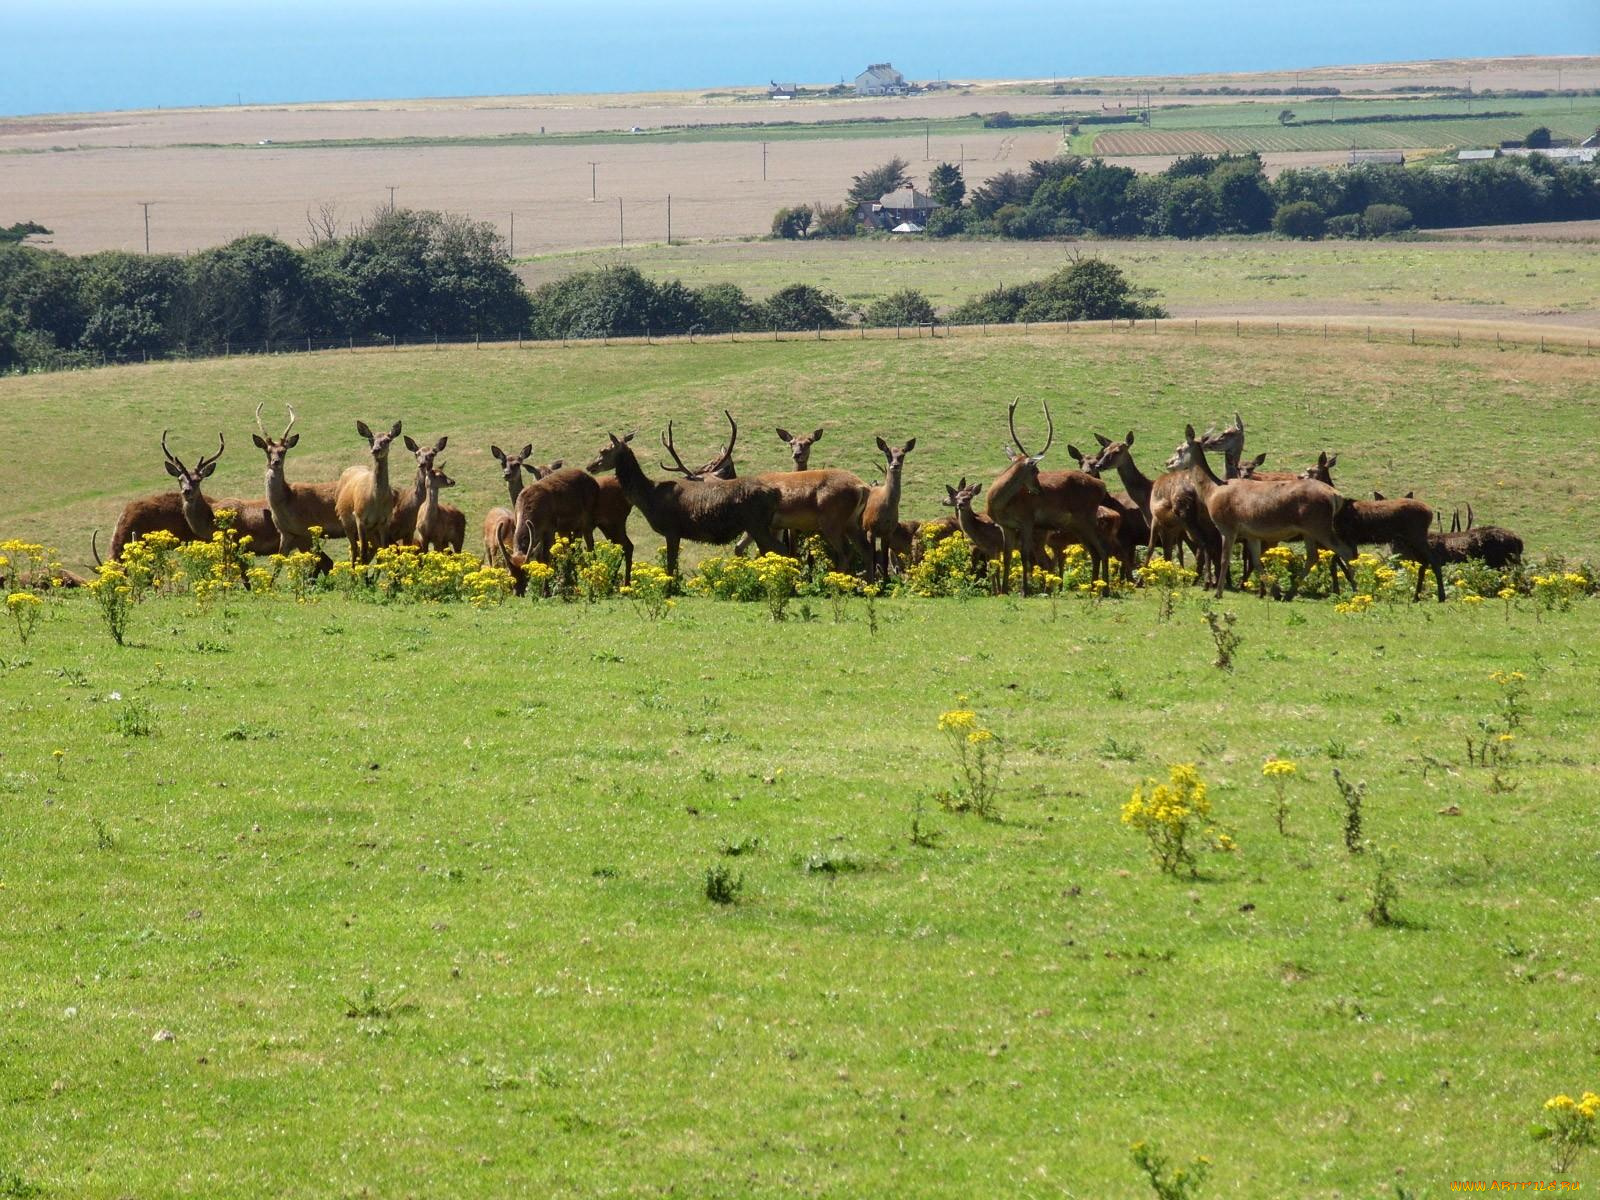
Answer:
(227, 348)
(1413, 335)
(352, 338)
(477, 340)
(1197, 327)
(308, 343)
(1236, 327)
(819, 333)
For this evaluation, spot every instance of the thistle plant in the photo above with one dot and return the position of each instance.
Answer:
(1222, 633)
(1279, 771)
(1353, 795)
(1169, 1182)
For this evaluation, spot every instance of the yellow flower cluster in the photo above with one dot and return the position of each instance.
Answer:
(1278, 768)
(405, 572)
(651, 590)
(1166, 573)
(1558, 590)
(1359, 603)
(945, 569)
(23, 608)
(1507, 678)
(1587, 1108)
(1169, 814)
(958, 720)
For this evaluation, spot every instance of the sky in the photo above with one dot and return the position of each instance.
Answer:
(90, 55)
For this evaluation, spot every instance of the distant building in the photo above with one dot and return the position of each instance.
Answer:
(782, 91)
(1592, 141)
(904, 207)
(1391, 158)
(880, 79)
(1476, 155)
(1561, 154)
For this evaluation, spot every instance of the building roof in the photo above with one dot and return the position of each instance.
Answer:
(907, 198)
(1376, 156)
(1559, 153)
(1475, 155)
(882, 74)
(907, 227)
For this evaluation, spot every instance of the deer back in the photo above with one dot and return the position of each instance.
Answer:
(812, 501)
(1275, 511)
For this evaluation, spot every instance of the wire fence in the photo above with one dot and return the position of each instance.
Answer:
(1429, 334)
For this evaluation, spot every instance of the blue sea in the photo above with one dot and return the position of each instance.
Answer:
(77, 55)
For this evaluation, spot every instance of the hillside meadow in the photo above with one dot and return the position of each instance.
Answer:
(349, 898)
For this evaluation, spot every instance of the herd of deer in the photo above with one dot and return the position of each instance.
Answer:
(1029, 512)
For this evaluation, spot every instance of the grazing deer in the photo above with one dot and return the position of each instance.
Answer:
(880, 520)
(500, 524)
(562, 502)
(439, 526)
(296, 508)
(252, 518)
(403, 522)
(714, 511)
(147, 514)
(1255, 512)
(1402, 525)
(364, 500)
(1494, 545)
(1023, 499)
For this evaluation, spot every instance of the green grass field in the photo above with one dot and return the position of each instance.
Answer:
(418, 892)
(1504, 281)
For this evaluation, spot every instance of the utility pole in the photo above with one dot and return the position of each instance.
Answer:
(391, 197)
(669, 218)
(927, 141)
(513, 251)
(962, 157)
(763, 162)
(592, 196)
(145, 204)
(622, 241)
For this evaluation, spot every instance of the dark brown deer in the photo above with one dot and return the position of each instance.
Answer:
(364, 501)
(252, 518)
(714, 511)
(1024, 501)
(500, 524)
(562, 502)
(297, 508)
(1496, 546)
(1402, 525)
(162, 511)
(880, 520)
(1299, 509)
(439, 526)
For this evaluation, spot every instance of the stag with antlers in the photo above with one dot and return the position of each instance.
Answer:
(296, 508)
(1025, 501)
(252, 518)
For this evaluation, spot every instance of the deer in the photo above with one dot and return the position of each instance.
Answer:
(1230, 442)
(1023, 499)
(800, 447)
(252, 518)
(562, 502)
(1257, 512)
(988, 540)
(880, 520)
(503, 520)
(715, 511)
(1122, 522)
(364, 501)
(1402, 525)
(1496, 546)
(296, 508)
(439, 526)
(403, 522)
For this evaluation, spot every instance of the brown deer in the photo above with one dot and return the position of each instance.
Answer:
(1230, 442)
(147, 514)
(403, 522)
(252, 518)
(1255, 512)
(800, 447)
(562, 502)
(880, 520)
(1122, 522)
(1402, 525)
(500, 524)
(439, 526)
(1024, 500)
(714, 511)
(985, 537)
(1494, 545)
(296, 508)
(364, 500)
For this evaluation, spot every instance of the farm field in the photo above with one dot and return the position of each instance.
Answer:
(302, 948)
(1484, 279)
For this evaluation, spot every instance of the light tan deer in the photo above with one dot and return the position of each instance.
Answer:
(1025, 501)
(1242, 509)
(439, 526)
(364, 501)
(297, 508)
(252, 518)
(880, 520)
(403, 524)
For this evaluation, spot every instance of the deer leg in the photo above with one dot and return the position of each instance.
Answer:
(1227, 553)
(626, 543)
(672, 556)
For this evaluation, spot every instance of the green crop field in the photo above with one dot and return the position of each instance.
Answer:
(343, 898)
(1489, 281)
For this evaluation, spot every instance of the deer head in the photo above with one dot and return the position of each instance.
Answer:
(606, 460)
(424, 454)
(1229, 442)
(275, 448)
(1248, 469)
(1323, 471)
(438, 479)
(189, 481)
(1189, 452)
(962, 495)
(896, 458)
(1112, 454)
(378, 443)
(800, 447)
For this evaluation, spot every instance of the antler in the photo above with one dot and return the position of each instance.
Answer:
(1011, 418)
(1050, 436)
(264, 434)
(290, 425)
(206, 462)
(733, 432)
(666, 440)
(171, 457)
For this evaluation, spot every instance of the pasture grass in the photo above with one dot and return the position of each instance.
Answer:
(1491, 280)
(410, 900)
(1497, 429)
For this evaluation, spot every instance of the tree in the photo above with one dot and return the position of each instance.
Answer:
(1286, 117)
(1379, 219)
(800, 307)
(1191, 208)
(792, 223)
(1102, 198)
(722, 308)
(870, 186)
(610, 301)
(1538, 138)
(905, 307)
(946, 222)
(1301, 219)
(21, 230)
(1244, 203)
(1008, 187)
(947, 185)
(1091, 289)
(834, 221)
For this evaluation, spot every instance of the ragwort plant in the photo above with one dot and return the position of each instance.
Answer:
(650, 591)
(1173, 817)
(1572, 1128)
(24, 608)
(1168, 579)
(1280, 771)
(1169, 1182)
(979, 760)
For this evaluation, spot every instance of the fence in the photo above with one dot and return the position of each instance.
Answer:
(1423, 333)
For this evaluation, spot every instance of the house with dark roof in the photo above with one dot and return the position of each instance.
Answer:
(880, 79)
(904, 207)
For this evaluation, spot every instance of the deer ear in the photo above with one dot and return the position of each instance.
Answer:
(364, 430)
(784, 434)
(555, 466)
(395, 432)
(628, 437)
(882, 445)
(173, 471)
(292, 442)
(1238, 422)
(1128, 441)
(205, 471)
(411, 444)
(1188, 432)
(1411, 495)
(527, 451)
(816, 435)
(498, 454)
(1074, 453)
(256, 438)
(1103, 440)
(1259, 459)
(439, 445)
(1333, 460)
(1376, 495)
(910, 446)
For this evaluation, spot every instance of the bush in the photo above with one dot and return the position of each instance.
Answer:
(722, 308)
(1302, 219)
(905, 307)
(1538, 138)
(610, 301)
(834, 221)
(999, 120)
(800, 307)
(792, 223)
(946, 222)
(1380, 219)
(1345, 225)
